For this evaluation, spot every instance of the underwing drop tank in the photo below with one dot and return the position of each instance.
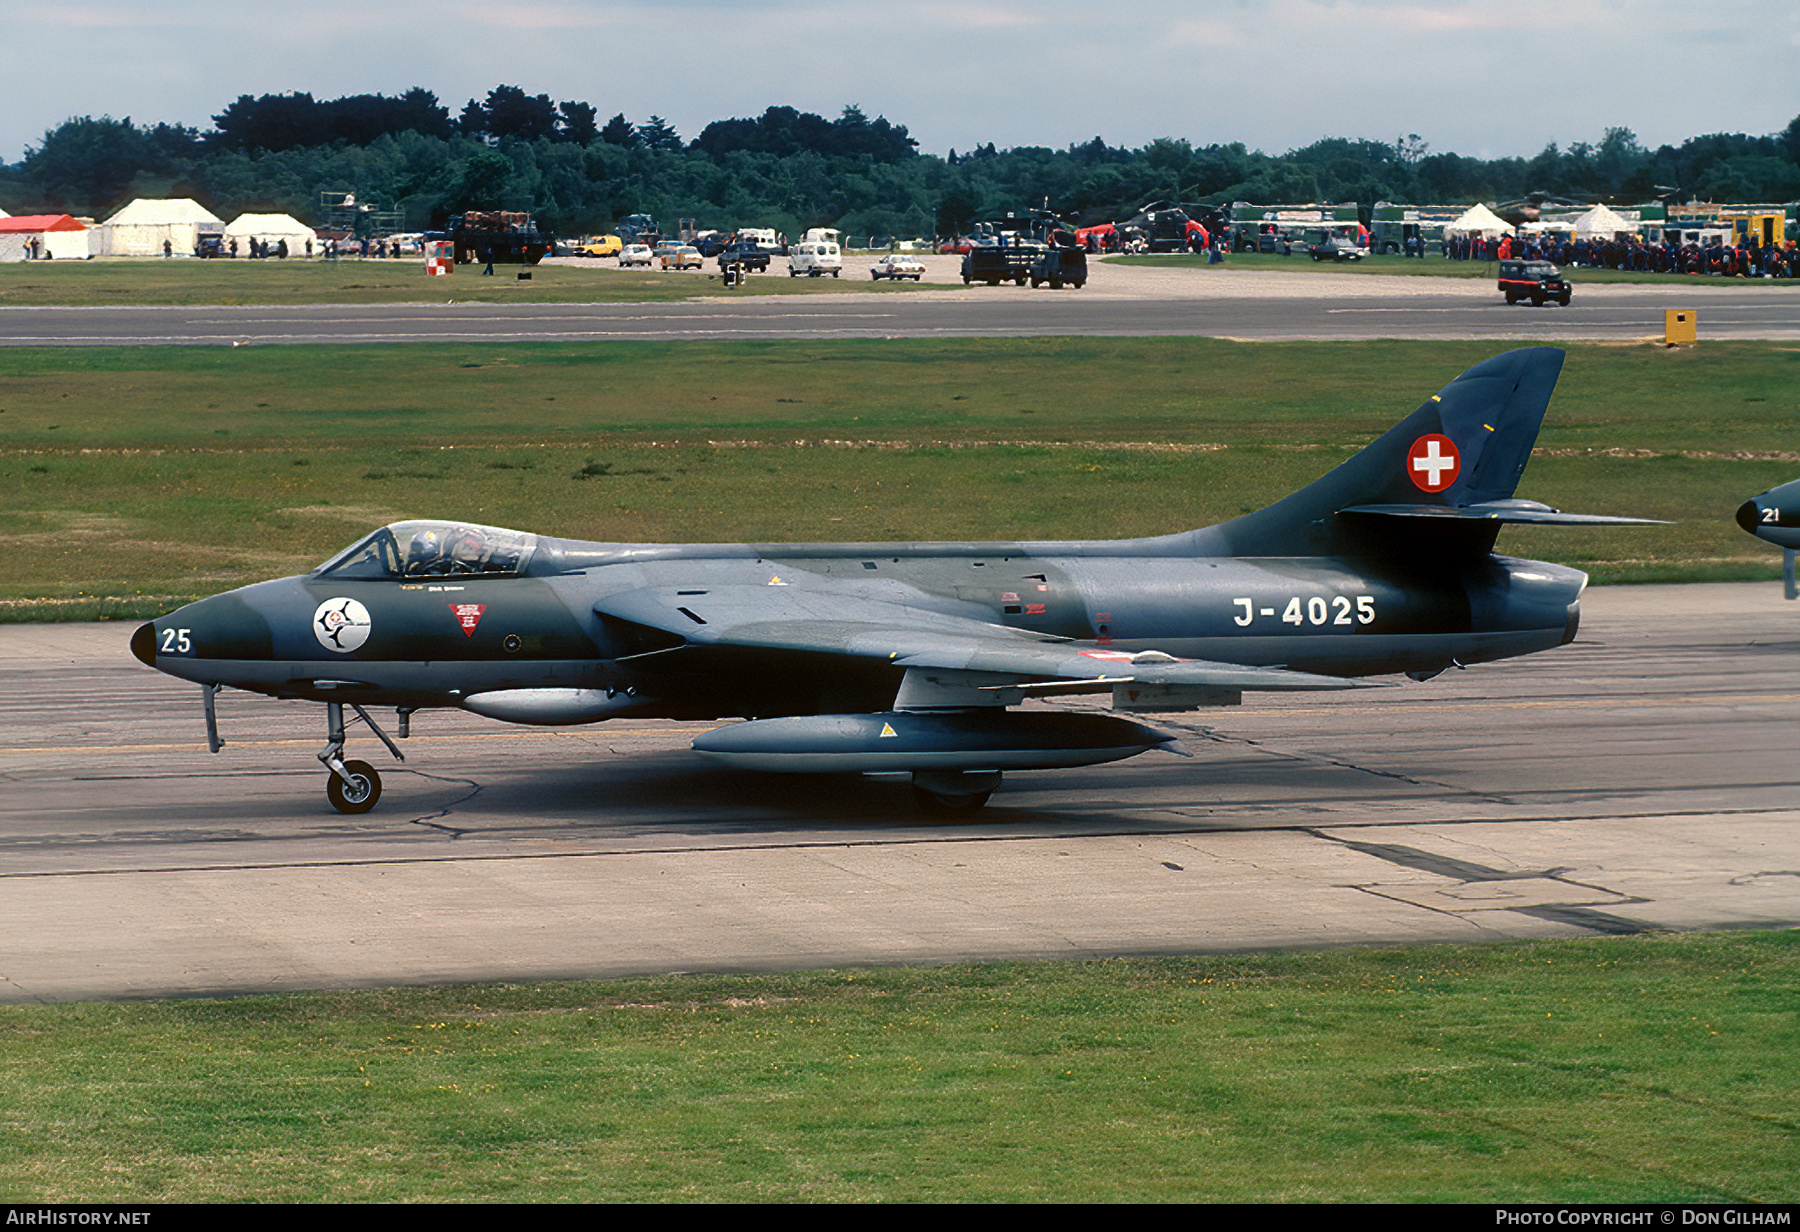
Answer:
(912, 740)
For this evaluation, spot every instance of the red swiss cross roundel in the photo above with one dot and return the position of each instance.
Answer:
(1433, 463)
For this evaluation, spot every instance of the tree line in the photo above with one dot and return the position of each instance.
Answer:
(791, 169)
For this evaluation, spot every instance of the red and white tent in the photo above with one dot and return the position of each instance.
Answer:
(43, 237)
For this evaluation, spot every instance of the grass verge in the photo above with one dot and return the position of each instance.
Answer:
(191, 283)
(1635, 1069)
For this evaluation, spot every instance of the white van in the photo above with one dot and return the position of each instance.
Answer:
(815, 258)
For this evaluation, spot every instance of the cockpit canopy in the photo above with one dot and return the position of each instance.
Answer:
(432, 549)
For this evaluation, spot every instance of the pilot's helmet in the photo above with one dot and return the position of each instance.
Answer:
(427, 546)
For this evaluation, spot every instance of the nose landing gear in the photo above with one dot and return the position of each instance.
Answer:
(354, 786)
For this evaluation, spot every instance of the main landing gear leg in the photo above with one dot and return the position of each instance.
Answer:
(353, 787)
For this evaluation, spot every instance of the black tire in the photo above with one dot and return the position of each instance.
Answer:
(1537, 301)
(1019, 281)
(939, 791)
(1563, 299)
(1511, 298)
(1056, 284)
(932, 802)
(360, 794)
(1036, 283)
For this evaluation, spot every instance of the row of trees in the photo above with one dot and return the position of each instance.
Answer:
(791, 169)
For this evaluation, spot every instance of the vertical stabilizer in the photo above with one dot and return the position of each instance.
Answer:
(1466, 445)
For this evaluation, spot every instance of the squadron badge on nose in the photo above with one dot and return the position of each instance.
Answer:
(341, 624)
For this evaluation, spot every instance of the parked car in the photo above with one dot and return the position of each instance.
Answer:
(1337, 248)
(635, 254)
(681, 256)
(1536, 281)
(960, 246)
(897, 265)
(600, 246)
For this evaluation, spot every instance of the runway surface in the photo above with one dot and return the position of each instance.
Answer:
(1643, 777)
(1267, 307)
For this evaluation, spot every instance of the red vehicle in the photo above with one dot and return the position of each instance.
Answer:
(959, 245)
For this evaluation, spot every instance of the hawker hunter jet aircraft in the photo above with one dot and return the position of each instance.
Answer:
(1775, 517)
(911, 658)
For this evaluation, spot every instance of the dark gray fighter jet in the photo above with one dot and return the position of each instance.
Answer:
(912, 658)
(1774, 517)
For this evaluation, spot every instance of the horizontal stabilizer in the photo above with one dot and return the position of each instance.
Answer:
(1516, 512)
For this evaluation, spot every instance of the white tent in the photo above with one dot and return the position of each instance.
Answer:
(271, 229)
(141, 228)
(1602, 221)
(1478, 218)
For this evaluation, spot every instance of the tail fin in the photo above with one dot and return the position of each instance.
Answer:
(1456, 460)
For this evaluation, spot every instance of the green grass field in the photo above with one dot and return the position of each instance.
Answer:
(187, 282)
(1637, 1069)
(1431, 267)
(133, 478)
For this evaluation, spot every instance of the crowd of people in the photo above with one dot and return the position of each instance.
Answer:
(1633, 253)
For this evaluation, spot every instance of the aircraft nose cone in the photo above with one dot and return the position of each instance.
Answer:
(1749, 516)
(143, 644)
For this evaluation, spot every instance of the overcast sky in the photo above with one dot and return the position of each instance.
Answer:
(1476, 77)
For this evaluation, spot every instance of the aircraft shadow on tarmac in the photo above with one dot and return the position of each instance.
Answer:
(675, 789)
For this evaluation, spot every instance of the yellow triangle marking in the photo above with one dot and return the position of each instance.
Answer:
(887, 730)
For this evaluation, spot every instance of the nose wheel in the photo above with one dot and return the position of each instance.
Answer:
(353, 787)
(356, 791)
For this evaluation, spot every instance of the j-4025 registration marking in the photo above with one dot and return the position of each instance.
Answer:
(1316, 610)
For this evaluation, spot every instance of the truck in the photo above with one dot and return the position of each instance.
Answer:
(638, 229)
(1272, 228)
(1009, 248)
(1060, 265)
(1003, 258)
(1410, 229)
